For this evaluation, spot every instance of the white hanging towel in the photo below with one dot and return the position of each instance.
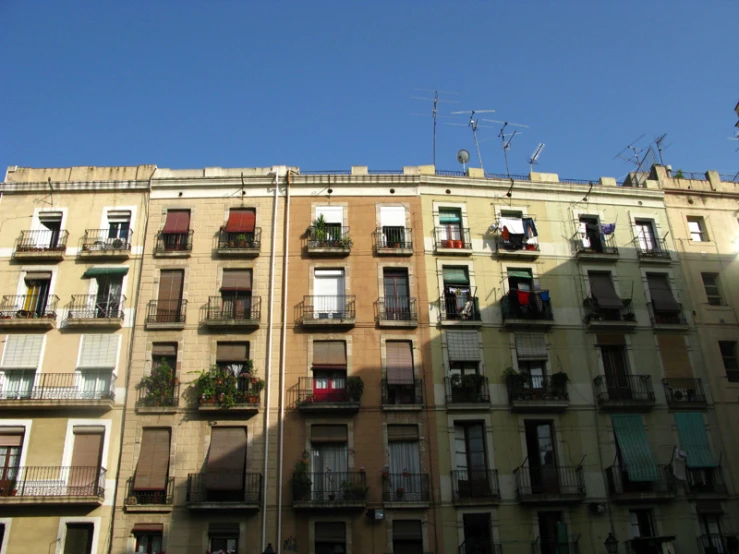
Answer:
(514, 224)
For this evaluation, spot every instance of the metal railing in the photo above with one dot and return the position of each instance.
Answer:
(532, 389)
(624, 389)
(475, 484)
(89, 306)
(309, 394)
(330, 487)
(397, 308)
(42, 241)
(394, 237)
(327, 172)
(99, 240)
(657, 248)
(604, 244)
(708, 480)
(594, 313)
(502, 244)
(29, 306)
(508, 176)
(729, 178)
(168, 397)
(248, 391)
(329, 307)
(452, 236)
(463, 307)
(410, 394)
(405, 487)
(556, 546)
(479, 546)
(83, 385)
(385, 172)
(554, 480)
(467, 389)
(685, 391)
(173, 242)
(619, 483)
(537, 308)
(691, 175)
(233, 308)
(666, 318)
(586, 182)
(166, 311)
(330, 236)
(448, 173)
(164, 497)
(54, 481)
(718, 544)
(239, 240)
(200, 488)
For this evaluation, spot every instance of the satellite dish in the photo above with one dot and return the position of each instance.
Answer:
(463, 156)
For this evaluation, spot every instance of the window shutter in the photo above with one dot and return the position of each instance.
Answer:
(99, 352)
(38, 276)
(178, 221)
(79, 538)
(392, 216)
(170, 288)
(674, 354)
(455, 276)
(330, 532)
(610, 339)
(86, 458)
(407, 529)
(22, 351)
(694, 440)
(329, 433)
(236, 279)
(634, 447)
(601, 287)
(399, 354)
(397, 433)
(464, 346)
(223, 529)
(331, 214)
(531, 346)
(148, 527)
(329, 353)
(662, 297)
(12, 436)
(241, 220)
(232, 351)
(153, 465)
(226, 459)
(164, 349)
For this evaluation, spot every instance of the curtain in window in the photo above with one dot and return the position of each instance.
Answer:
(330, 464)
(404, 458)
(19, 384)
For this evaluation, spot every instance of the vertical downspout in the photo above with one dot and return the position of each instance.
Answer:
(268, 368)
(281, 439)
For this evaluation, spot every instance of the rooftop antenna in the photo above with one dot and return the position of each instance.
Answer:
(435, 110)
(634, 158)
(473, 124)
(463, 157)
(534, 159)
(505, 140)
(658, 141)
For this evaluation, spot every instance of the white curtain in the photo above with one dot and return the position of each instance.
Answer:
(95, 383)
(330, 463)
(19, 384)
(404, 458)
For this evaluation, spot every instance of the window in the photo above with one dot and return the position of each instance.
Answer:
(226, 465)
(329, 460)
(399, 372)
(477, 534)
(531, 354)
(450, 228)
(459, 297)
(236, 294)
(79, 538)
(470, 460)
(641, 523)
(224, 537)
(407, 536)
(119, 227)
(552, 533)
(234, 357)
(397, 294)
(645, 235)
(21, 358)
(152, 470)
(37, 284)
(697, 229)
(108, 298)
(591, 234)
(541, 456)
(405, 481)
(329, 230)
(710, 283)
(148, 538)
(466, 383)
(164, 353)
(330, 538)
(169, 300)
(98, 356)
(329, 371)
(729, 356)
(329, 301)
(11, 445)
(87, 453)
(392, 221)
(51, 225)
(175, 233)
(616, 371)
(710, 527)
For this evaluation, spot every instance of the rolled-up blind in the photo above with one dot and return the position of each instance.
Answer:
(531, 346)
(164, 349)
(22, 351)
(455, 276)
(407, 529)
(464, 346)
(399, 354)
(99, 351)
(610, 339)
(402, 432)
(153, 465)
(236, 279)
(38, 275)
(328, 433)
(331, 214)
(12, 436)
(675, 358)
(232, 351)
(392, 216)
(226, 459)
(329, 353)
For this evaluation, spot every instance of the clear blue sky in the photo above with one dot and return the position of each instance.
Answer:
(327, 85)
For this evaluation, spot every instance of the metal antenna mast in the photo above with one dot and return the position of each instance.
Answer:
(658, 141)
(534, 159)
(473, 124)
(634, 158)
(434, 111)
(506, 140)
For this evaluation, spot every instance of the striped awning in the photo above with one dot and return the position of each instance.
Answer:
(634, 446)
(694, 440)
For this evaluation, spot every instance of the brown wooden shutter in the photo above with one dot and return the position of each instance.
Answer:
(232, 351)
(407, 529)
(170, 294)
(659, 290)
(329, 353)
(241, 220)
(602, 289)
(397, 433)
(236, 279)
(675, 358)
(164, 350)
(148, 528)
(226, 459)
(329, 433)
(38, 276)
(178, 221)
(86, 458)
(399, 362)
(610, 339)
(153, 466)
(12, 436)
(325, 531)
(79, 538)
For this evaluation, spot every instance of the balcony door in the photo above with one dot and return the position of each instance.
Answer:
(87, 455)
(590, 233)
(108, 298)
(542, 457)
(405, 463)
(553, 533)
(169, 301)
(645, 235)
(614, 365)
(392, 220)
(477, 535)
(450, 227)
(51, 228)
(96, 383)
(11, 444)
(119, 227)
(236, 294)
(397, 292)
(330, 465)
(37, 292)
(329, 371)
(471, 460)
(19, 384)
(458, 297)
(328, 293)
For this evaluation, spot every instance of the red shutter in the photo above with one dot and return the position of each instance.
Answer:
(241, 220)
(178, 221)
(226, 459)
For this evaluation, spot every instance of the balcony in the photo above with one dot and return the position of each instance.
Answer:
(394, 241)
(97, 243)
(624, 392)
(657, 252)
(479, 546)
(166, 314)
(246, 245)
(537, 394)
(402, 396)
(166, 399)
(331, 489)
(337, 401)
(684, 393)
(173, 245)
(515, 246)
(245, 398)
(406, 490)
(85, 390)
(88, 311)
(460, 310)
(53, 485)
(718, 544)
(648, 545)
(29, 311)
(557, 546)
(467, 392)
(44, 245)
(604, 250)
(667, 321)
(549, 484)
(329, 311)
(452, 240)
(706, 484)
(397, 312)
(233, 312)
(149, 501)
(475, 487)
(330, 240)
(527, 310)
(621, 489)
(201, 496)
(605, 319)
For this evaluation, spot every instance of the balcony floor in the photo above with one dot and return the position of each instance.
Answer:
(57, 404)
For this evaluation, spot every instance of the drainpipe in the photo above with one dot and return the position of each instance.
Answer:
(268, 368)
(283, 333)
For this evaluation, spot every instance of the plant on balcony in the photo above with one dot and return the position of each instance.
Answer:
(216, 386)
(354, 388)
(159, 385)
(559, 382)
(241, 240)
(301, 483)
(354, 491)
(345, 242)
(513, 378)
(319, 230)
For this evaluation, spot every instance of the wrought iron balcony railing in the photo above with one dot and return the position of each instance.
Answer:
(42, 241)
(394, 238)
(166, 311)
(595, 314)
(309, 394)
(558, 546)
(564, 482)
(530, 306)
(405, 487)
(684, 391)
(233, 308)
(533, 389)
(470, 485)
(53, 481)
(330, 487)
(84, 385)
(467, 389)
(706, 481)
(451, 236)
(663, 485)
(173, 242)
(654, 248)
(479, 546)
(164, 497)
(316, 308)
(410, 394)
(456, 307)
(624, 390)
(203, 488)
(29, 306)
(606, 244)
(89, 306)
(661, 317)
(240, 241)
(397, 308)
(99, 240)
(718, 544)
(166, 397)
(330, 236)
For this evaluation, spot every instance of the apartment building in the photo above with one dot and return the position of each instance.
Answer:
(71, 246)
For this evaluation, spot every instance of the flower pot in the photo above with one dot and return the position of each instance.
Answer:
(447, 244)
(457, 244)
(400, 492)
(332, 497)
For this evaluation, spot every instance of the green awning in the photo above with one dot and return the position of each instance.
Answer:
(694, 440)
(456, 276)
(104, 271)
(450, 216)
(634, 446)
(519, 273)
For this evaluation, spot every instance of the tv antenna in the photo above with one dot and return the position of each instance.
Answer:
(435, 111)
(658, 141)
(534, 159)
(473, 124)
(507, 139)
(634, 157)
(463, 157)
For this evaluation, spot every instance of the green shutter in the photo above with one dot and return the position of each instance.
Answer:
(456, 276)
(450, 216)
(694, 440)
(635, 452)
(519, 273)
(104, 271)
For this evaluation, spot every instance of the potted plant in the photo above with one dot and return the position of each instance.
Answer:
(159, 385)
(319, 231)
(241, 240)
(353, 491)
(512, 378)
(218, 384)
(354, 388)
(399, 492)
(301, 482)
(559, 381)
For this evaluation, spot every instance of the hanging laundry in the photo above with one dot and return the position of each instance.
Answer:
(608, 228)
(539, 303)
(544, 295)
(514, 224)
(516, 241)
(529, 227)
(523, 298)
(505, 234)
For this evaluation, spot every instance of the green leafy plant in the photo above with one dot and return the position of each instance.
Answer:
(354, 388)
(159, 385)
(220, 386)
(301, 482)
(560, 379)
(679, 174)
(319, 229)
(512, 377)
(354, 491)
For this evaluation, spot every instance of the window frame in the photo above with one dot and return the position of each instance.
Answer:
(716, 297)
(732, 373)
(150, 535)
(702, 232)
